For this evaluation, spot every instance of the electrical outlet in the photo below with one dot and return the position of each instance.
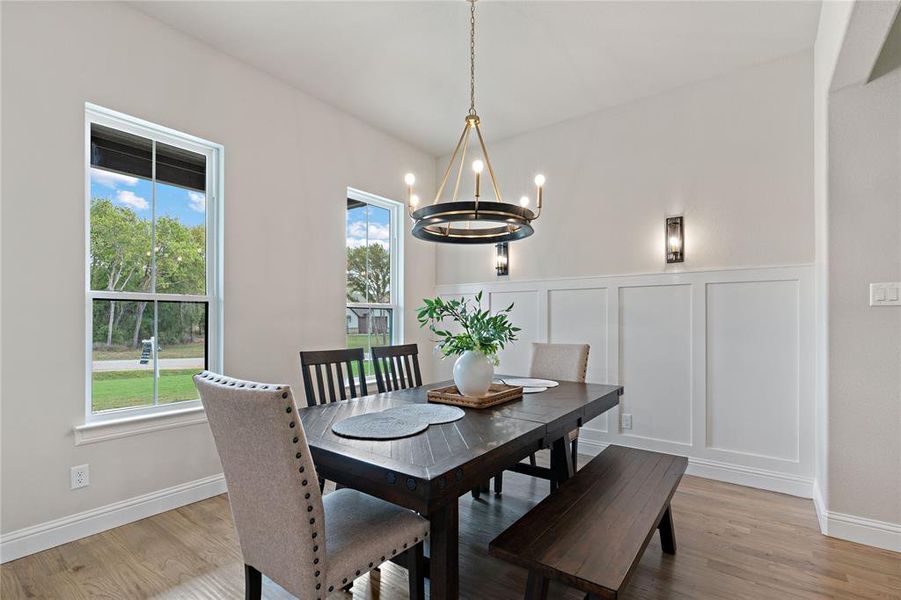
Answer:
(80, 476)
(627, 421)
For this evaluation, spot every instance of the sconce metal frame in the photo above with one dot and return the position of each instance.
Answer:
(502, 259)
(674, 239)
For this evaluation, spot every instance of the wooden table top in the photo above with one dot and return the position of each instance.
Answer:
(442, 449)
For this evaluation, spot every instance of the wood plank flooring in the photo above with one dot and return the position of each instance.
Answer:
(735, 543)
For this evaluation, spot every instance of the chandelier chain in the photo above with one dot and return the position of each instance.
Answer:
(472, 57)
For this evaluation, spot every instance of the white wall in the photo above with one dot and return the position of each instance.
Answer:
(733, 154)
(716, 365)
(288, 161)
(834, 18)
(858, 222)
(865, 342)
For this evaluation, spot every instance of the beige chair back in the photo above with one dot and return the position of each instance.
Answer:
(560, 362)
(271, 479)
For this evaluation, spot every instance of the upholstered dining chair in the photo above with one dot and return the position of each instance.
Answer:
(308, 543)
(559, 362)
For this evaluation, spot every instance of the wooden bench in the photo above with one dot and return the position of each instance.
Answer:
(591, 532)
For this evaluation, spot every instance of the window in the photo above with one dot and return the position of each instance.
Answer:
(374, 273)
(154, 270)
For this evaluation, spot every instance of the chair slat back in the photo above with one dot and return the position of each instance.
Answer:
(323, 369)
(396, 367)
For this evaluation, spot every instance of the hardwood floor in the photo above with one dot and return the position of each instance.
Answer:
(734, 543)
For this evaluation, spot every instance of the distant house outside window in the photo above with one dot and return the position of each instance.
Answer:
(154, 269)
(373, 274)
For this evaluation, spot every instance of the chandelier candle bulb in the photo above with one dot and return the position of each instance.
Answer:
(478, 166)
(524, 201)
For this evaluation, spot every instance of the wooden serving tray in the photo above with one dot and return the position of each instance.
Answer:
(498, 393)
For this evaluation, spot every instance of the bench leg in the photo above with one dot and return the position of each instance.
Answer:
(536, 587)
(499, 484)
(667, 533)
(253, 583)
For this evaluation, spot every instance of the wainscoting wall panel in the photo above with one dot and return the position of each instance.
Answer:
(752, 368)
(716, 365)
(591, 328)
(655, 338)
(516, 357)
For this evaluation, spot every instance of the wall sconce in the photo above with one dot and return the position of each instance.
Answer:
(675, 240)
(502, 259)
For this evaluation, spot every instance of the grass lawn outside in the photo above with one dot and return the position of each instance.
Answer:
(121, 389)
(194, 350)
(362, 340)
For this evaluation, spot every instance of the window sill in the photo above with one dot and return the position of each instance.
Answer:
(101, 431)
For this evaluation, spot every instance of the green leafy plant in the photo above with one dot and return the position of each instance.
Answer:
(481, 331)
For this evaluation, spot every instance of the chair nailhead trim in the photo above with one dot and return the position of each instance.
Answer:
(318, 585)
(370, 565)
(315, 548)
(309, 509)
(291, 424)
(315, 561)
(284, 394)
(307, 497)
(344, 580)
(301, 469)
(312, 521)
(317, 573)
(296, 440)
(358, 571)
(288, 409)
(297, 455)
(304, 482)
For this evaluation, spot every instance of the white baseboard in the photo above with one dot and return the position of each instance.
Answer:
(29, 540)
(784, 483)
(864, 531)
(819, 504)
(856, 529)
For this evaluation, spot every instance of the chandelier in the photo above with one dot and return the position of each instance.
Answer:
(473, 221)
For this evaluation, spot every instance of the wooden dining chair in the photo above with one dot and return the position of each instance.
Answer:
(396, 367)
(324, 371)
(558, 362)
(307, 543)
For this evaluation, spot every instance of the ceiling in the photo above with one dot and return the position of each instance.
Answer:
(404, 66)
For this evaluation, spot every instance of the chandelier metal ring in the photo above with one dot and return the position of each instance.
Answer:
(437, 222)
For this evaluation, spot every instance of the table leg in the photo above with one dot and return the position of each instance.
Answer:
(444, 575)
(561, 461)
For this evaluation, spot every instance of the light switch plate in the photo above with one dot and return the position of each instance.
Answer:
(885, 294)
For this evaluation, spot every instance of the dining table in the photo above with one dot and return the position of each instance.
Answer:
(429, 471)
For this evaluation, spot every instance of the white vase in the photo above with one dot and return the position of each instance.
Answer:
(473, 373)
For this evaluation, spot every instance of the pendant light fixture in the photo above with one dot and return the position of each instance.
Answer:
(473, 221)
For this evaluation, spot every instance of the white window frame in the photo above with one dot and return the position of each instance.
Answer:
(214, 154)
(396, 212)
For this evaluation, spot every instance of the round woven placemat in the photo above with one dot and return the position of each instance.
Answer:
(379, 426)
(435, 414)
